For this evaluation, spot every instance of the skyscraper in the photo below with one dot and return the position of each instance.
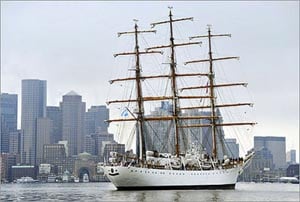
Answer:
(159, 136)
(34, 97)
(90, 144)
(207, 141)
(55, 114)
(73, 110)
(44, 131)
(15, 142)
(276, 145)
(291, 156)
(9, 114)
(232, 148)
(95, 119)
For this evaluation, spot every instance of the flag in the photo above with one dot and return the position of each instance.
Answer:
(124, 113)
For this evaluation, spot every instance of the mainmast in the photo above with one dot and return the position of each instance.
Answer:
(212, 95)
(211, 87)
(173, 73)
(139, 94)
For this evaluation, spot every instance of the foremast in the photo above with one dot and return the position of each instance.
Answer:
(139, 94)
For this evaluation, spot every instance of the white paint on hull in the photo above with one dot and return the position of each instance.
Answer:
(128, 177)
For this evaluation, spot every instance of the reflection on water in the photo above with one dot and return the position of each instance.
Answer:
(215, 197)
(107, 192)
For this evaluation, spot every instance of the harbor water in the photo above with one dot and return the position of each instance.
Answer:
(107, 192)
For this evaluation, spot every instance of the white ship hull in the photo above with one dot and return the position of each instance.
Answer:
(145, 178)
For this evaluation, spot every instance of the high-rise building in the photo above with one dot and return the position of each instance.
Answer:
(95, 119)
(15, 142)
(99, 139)
(73, 111)
(158, 133)
(291, 156)
(90, 144)
(261, 164)
(276, 145)
(194, 134)
(44, 131)
(9, 114)
(232, 148)
(54, 113)
(207, 142)
(34, 96)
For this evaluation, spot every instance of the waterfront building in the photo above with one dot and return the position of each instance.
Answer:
(44, 131)
(34, 96)
(9, 114)
(55, 155)
(293, 170)
(268, 163)
(73, 111)
(85, 163)
(291, 156)
(44, 169)
(8, 160)
(95, 119)
(54, 113)
(277, 147)
(24, 170)
(261, 163)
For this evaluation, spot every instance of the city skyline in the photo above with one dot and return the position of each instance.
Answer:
(37, 44)
(43, 124)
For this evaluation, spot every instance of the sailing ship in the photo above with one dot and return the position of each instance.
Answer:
(183, 167)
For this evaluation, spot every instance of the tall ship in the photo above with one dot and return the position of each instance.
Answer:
(172, 151)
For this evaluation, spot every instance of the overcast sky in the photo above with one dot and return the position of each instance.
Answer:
(70, 44)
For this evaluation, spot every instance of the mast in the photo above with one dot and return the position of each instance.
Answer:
(173, 75)
(140, 113)
(213, 124)
(212, 94)
(140, 105)
(174, 87)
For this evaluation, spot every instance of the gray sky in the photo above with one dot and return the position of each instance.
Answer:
(70, 44)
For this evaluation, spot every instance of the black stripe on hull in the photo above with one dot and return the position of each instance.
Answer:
(225, 186)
